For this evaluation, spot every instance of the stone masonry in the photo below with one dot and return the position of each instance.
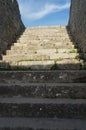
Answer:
(77, 22)
(10, 23)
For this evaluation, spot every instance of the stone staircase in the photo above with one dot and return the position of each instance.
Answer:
(51, 93)
(40, 48)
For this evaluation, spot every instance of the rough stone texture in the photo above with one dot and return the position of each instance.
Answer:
(10, 23)
(60, 76)
(42, 124)
(44, 90)
(48, 108)
(77, 22)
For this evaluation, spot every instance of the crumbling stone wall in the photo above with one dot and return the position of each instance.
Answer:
(10, 23)
(77, 22)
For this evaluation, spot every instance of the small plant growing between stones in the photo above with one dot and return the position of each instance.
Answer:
(55, 66)
(77, 57)
(82, 67)
(73, 51)
(59, 59)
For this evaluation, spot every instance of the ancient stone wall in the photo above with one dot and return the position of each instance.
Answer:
(10, 23)
(77, 22)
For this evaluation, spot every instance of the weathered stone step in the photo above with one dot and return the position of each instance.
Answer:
(45, 29)
(58, 51)
(43, 42)
(45, 64)
(44, 90)
(45, 36)
(39, 30)
(42, 45)
(43, 55)
(49, 108)
(36, 51)
(26, 57)
(46, 32)
(42, 124)
(54, 34)
(60, 76)
(63, 39)
(11, 52)
(44, 51)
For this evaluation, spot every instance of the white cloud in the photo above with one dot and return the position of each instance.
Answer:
(42, 12)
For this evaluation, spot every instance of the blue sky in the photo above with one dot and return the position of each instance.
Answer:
(44, 12)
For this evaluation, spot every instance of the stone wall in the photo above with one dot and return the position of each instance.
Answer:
(77, 22)
(10, 23)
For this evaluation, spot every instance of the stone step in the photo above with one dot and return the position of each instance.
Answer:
(49, 65)
(54, 34)
(50, 30)
(44, 90)
(45, 28)
(25, 57)
(59, 51)
(46, 32)
(62, 56)
(11, 52)
(48, 108)
(41, 55)
(42, 45)
(43, 38)
(42, 124)
(45, 64)
(59, 76)
(45, 35)
(25, 46)
(43, 42)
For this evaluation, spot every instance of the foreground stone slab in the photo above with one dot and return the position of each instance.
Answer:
(59, 76)
(48, 108)
(44, 90)
(41, 124)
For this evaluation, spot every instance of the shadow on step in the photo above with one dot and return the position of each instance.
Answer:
(7, 45)
(37, 67)
(76, 46)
